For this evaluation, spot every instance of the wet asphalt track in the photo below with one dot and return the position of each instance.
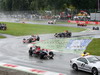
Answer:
(13, 51)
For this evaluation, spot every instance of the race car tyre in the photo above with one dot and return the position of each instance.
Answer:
(97, 28)
(94, 71)
(77, 24)
(43, 55)
(59, 35)
(93, 28)
(23, 42)
(75, 67)
(69, 35)
(30, 53)
(51, 55)
(56, 35)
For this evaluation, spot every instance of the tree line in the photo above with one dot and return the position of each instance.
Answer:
(31, 5)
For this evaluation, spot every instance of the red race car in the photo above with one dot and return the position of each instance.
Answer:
(41, 53)
(81, 24)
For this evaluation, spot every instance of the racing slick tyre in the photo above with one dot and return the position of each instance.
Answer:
(59, 35)
(43, 55)
(78, 25)
(69, 35)
(29, 41)
(30, 52)
(93, 28)
(51, 54)
(75, 67)
(24, 40)
(97, 28)
(94, 71)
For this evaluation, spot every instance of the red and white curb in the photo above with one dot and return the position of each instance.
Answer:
(29, 70)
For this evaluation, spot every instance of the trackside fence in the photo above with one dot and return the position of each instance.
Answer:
(86, 22)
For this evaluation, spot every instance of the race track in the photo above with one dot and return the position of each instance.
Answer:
(13, 51)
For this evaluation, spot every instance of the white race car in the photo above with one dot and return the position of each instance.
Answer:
(52, 22)
(86, 63)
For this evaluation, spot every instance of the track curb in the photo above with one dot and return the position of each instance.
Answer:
(28, 70)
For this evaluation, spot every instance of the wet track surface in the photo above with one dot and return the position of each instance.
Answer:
(13, 51)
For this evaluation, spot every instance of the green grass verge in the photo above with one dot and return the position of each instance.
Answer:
(2, 37)
(19, 29)
(94, 47)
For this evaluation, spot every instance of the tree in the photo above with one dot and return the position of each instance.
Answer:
(84, 4)
(21, 5)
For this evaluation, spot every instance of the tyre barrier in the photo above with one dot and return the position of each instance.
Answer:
(10, 69)
(95, 28)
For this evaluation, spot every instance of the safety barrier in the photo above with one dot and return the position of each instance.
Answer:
(10, 69)
(86, 22)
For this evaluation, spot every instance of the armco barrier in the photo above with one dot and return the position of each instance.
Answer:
(9, 69)
(86, 22)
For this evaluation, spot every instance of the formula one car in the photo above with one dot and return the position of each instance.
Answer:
(3, 26)
(31, 39)
(95, 28)
(86, 63)
(41, 53)
(52, 22)
(63, 34)
(81, 24)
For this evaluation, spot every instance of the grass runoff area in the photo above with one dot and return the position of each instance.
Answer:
(94, 47)
(19, 29)
(2, 37)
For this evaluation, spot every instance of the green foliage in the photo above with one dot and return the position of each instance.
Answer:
(84, 4)
(28, 29)
(13, 5)
(94, 47)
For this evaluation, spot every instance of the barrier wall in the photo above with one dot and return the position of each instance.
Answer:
(86, 22)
